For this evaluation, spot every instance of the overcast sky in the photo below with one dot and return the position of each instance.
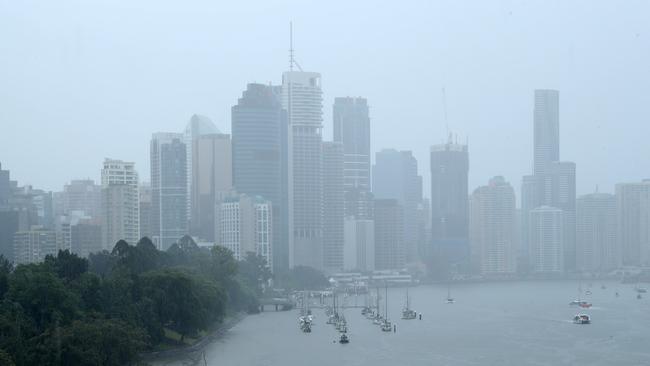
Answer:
(83, 80)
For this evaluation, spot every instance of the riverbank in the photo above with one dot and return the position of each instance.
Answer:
(191, 355)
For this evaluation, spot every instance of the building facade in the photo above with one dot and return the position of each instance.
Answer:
(546, 240)
(492, 228)
(120, 203)
(389, 235)
(633, 222)
(596, 246)
(333, 206)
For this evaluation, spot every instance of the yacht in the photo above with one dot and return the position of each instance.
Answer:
(344, 339)
(581, 319)
(407, 312)
(584, 304)
(386, 326)
(575, 303)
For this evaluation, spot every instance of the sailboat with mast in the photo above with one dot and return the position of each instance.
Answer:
(407, 312)
(386, 325)
(450, 300)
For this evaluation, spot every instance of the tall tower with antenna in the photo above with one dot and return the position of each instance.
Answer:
(303, 101)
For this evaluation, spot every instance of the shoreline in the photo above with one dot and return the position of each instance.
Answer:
(191, 355)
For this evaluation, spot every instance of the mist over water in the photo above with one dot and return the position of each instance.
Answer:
(509, 323)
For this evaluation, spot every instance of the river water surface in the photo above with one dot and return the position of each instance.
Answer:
(507, 323)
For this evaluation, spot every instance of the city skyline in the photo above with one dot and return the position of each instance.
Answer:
(603, 97)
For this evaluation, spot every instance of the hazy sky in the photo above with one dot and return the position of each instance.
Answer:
(84, 80)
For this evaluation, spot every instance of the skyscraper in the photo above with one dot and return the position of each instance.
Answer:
(168, 188)
(546, 240)
(302, 99)
(259, 157)
(359, 244)
(197, 126)
(547, 130)
(450, 201)
(211, 181)
(633, 216)
(120, 203)
(395, 176)
(333, 206)
(596, 247)
(352, 129)
(389, 235)
(5, 188)
(492, 228)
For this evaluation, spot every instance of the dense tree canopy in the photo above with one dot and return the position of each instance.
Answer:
(107, 309)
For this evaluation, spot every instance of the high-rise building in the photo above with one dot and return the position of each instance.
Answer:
(32, 246)
(168, 188)
(246, 225)
(389, 235)
(197, 126)
(84, 196)
(5, 188)
(85, 238)
(633, 216)
(146, 211)
(450, 201)
(596, 247)
(259, 157)
(547, 130)
(333, 206)
(546, 240)
(212, 181)
(352, 129)
(359, 244)
(395, 176)
(492, 228)
(303, 101)
(529, 201)
(120, 203)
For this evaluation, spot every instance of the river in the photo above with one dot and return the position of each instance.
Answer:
(503, 323)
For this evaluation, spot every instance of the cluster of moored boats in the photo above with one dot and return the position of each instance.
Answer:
(337, 319)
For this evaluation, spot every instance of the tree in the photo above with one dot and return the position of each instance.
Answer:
(43, 295)
(101, 263)
(255, 272)
(224, 265)
(6, 267)
(68, 266)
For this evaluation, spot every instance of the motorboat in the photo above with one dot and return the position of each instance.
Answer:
(588, 292)
(584, 304)
(575, 303)
(641, 290)
(581, 319)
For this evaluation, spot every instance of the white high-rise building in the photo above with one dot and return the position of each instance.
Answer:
(633, 228)
(492, 228)
(245, 225)
(120, 203)
(303, 101)
(546, 235)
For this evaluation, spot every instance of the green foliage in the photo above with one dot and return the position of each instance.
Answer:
(109, 308)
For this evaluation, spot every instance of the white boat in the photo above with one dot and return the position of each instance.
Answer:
(407, 312)
(581, 319)
(386, 326)
(641, 290)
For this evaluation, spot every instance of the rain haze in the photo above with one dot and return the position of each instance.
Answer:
(365, 183)
(81, 81)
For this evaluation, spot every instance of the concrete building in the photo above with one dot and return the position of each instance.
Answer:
(492, 228)
(146, 211)
(120, 203)
(32, 246)
(450, 201)
(352, 129)
(82, 195)
(197, 126)
(546, 240)
(546, 148)
(168, 188)
(85, 239)
(259, 157)
(246, 225)
(212, 181)
(633, 217)
(389, 235)
(395, 176)
(333, 206)
(597, 250)
(303, 101)
(359, 245)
